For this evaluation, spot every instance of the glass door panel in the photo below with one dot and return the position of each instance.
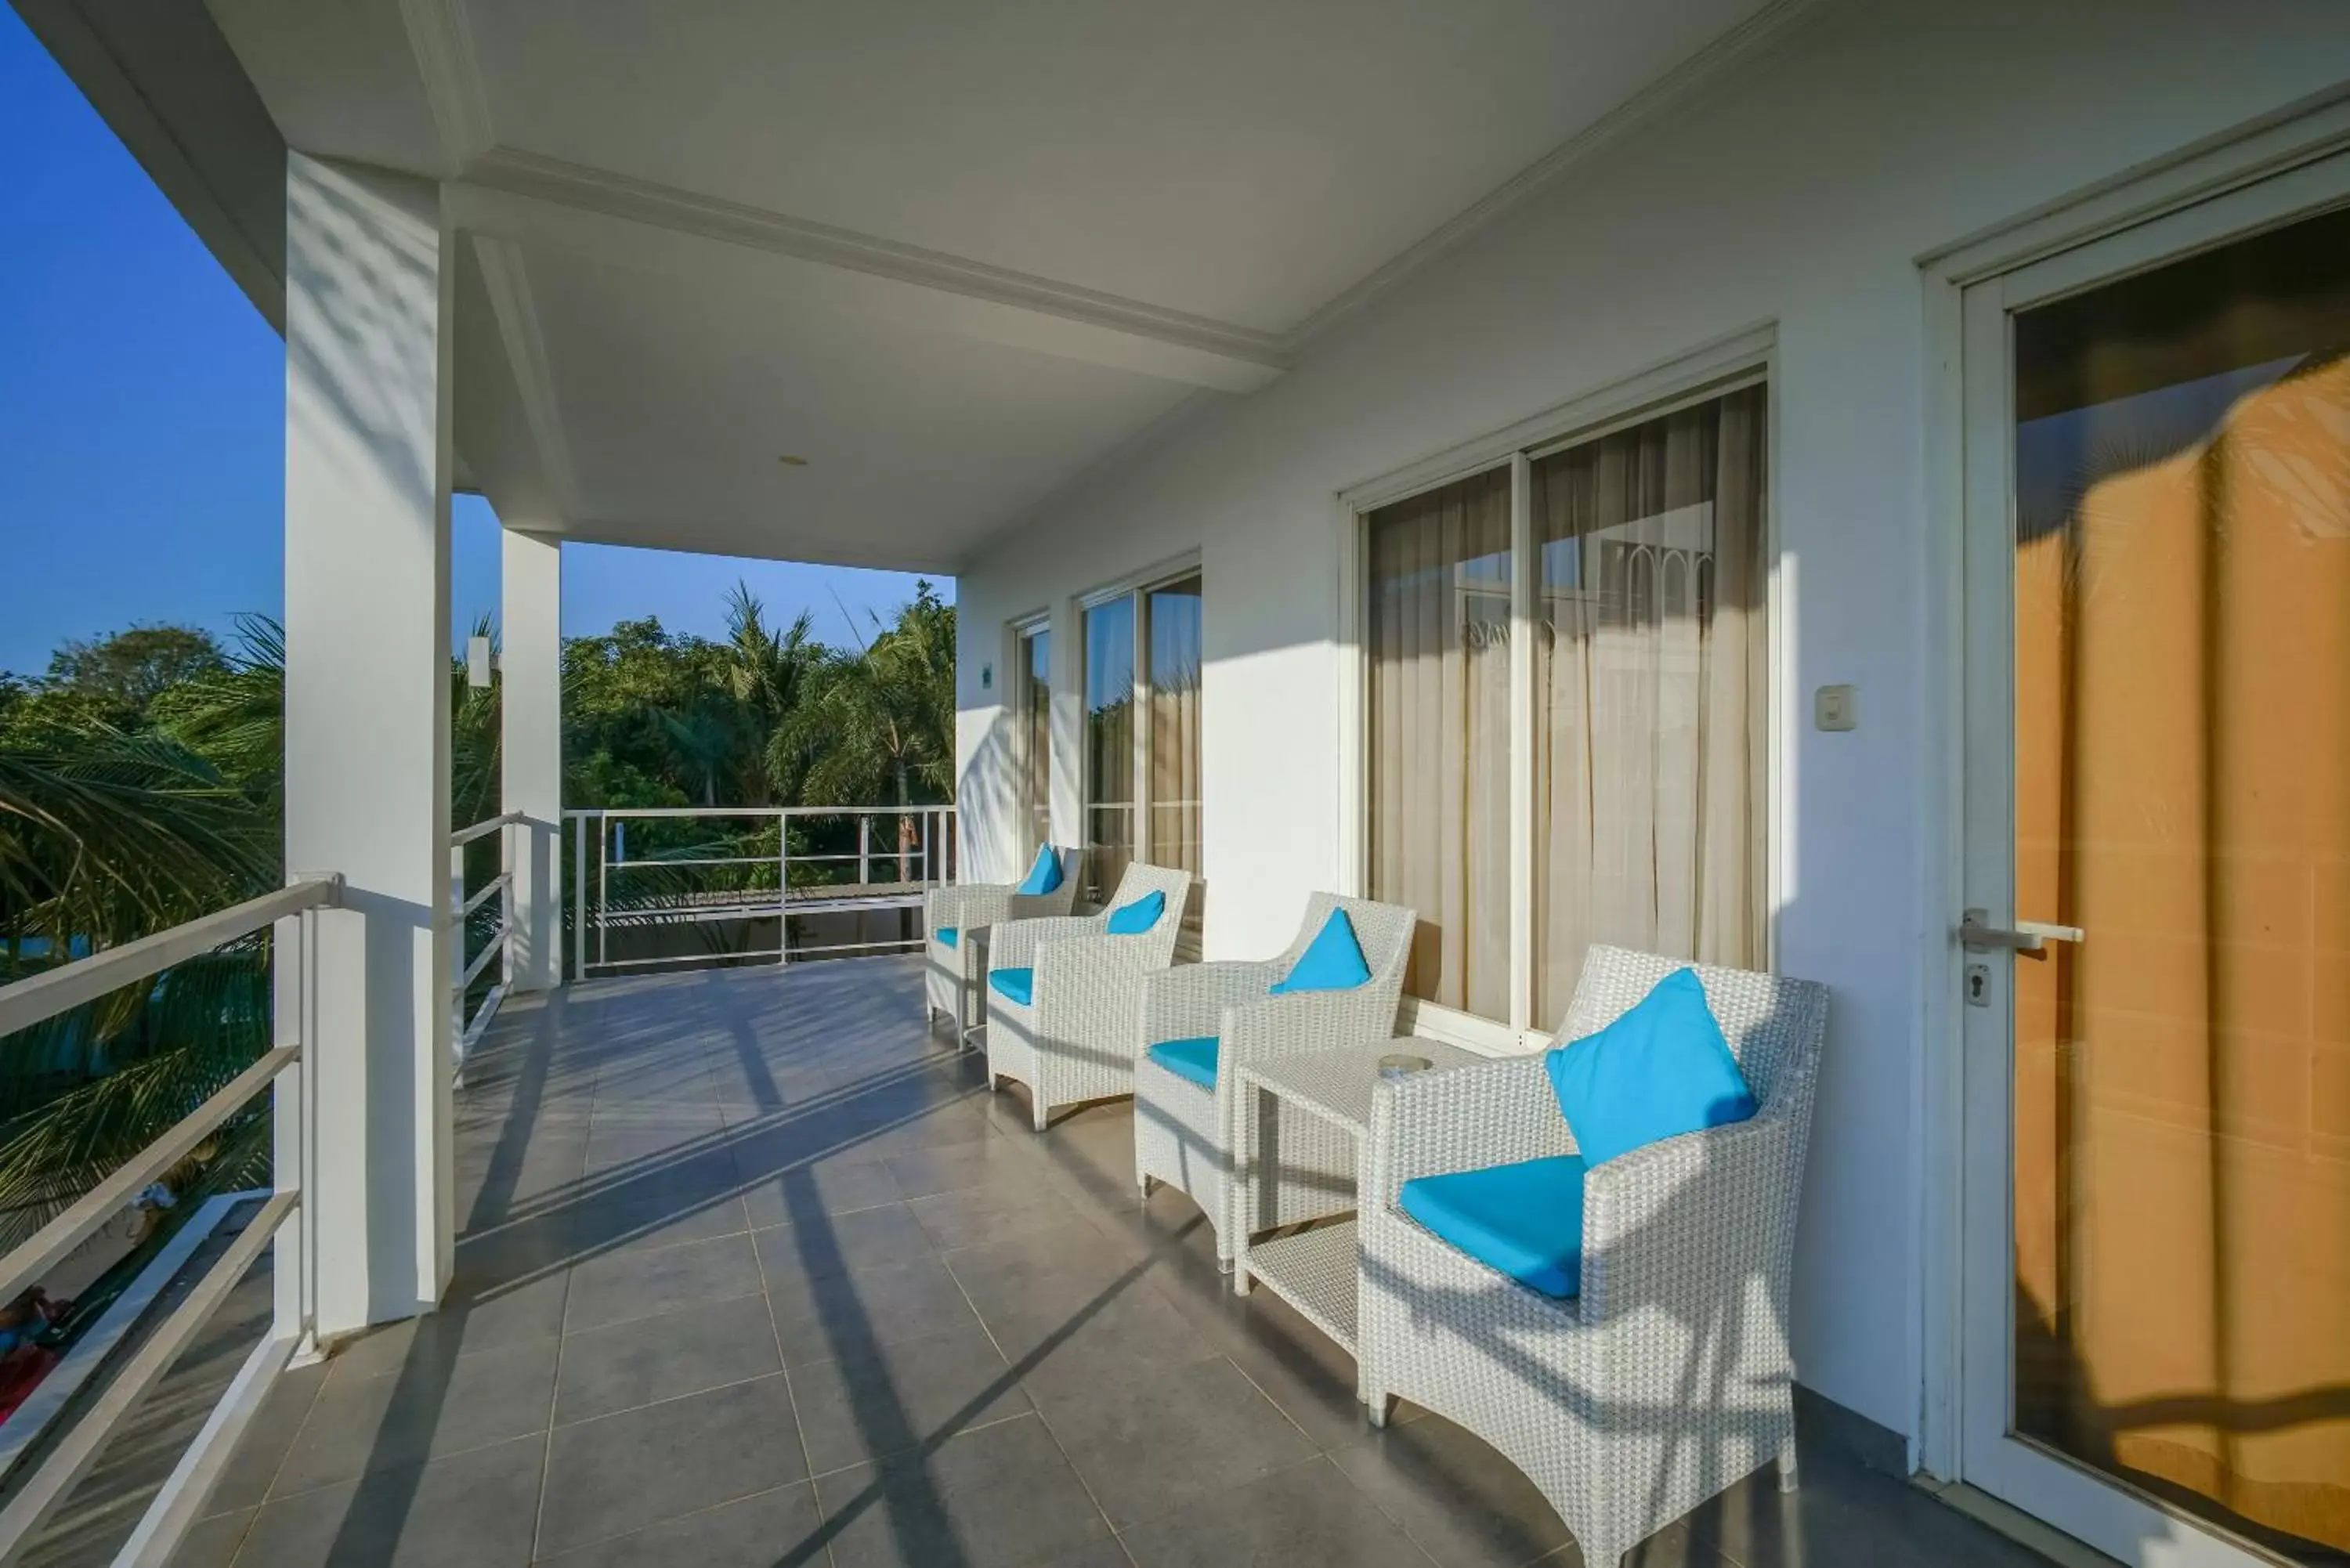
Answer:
(1109, 744)
(2180, 1093)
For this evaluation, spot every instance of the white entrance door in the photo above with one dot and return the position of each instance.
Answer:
(2156, 1306)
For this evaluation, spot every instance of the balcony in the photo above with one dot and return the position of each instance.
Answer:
(752, 1269)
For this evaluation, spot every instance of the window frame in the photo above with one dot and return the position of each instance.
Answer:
(1018, 632)
(1732, 364)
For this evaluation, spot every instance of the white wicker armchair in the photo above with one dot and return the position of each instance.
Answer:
(1668, 1378)
(1074, 1039)
(949, 975)
(1184, 1133)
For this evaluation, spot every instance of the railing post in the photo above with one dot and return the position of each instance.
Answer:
(863, 849)
(294, 1129)
(506, 898)
(784, 885)
(579, 897)
(458, 957)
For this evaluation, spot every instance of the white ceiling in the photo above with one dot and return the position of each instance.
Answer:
(953, 253)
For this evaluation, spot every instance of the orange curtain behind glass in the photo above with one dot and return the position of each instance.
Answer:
(2183, 1076)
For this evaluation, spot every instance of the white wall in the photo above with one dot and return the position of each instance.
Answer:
(1799, 192)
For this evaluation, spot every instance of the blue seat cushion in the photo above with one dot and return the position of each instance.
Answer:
(1660, 1070)
(1332, 960)
(1014, 984)
(1045, 875)
(1194, 1059)
(1133, 919)
(1524, 1219)
(948, 936)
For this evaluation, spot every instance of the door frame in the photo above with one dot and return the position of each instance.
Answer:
(2270, 171)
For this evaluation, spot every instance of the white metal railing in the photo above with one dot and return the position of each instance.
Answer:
(292, 911)
(468, 1026)
(890, 855)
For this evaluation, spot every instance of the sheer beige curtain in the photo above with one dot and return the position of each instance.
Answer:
(1175, 661)
(1439, 637)
(1650, 696)
(1036, 721)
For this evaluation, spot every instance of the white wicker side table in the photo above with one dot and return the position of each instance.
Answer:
(1316, 1269)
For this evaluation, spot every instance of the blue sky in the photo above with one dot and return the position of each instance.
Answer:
(142, 413)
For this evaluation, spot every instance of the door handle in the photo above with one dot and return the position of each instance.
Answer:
(1977, 934)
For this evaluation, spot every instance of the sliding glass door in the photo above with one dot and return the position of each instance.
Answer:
(1565, 704)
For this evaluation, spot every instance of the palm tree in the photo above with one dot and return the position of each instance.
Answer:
(99, 844)
(882, 728)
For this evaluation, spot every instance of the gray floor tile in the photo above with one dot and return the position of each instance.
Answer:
(1006, 1205)
(1466, 1505)
(623, 1473)
(1043, 1271)
(848, 1314)
(1297, 1365)
(212, 1542)
(427, 1408)
(469, 1511)
(682, 1351)
(641, 1213)
(463, 1327)
(1001, 1497)
(1116, 1336)
(823, 1245)
(1105, 1554)
(922, 1173)
(268, 1439)
(780, 1192)
(756, 1532)
(897, 1396)
(627, 1285)
(1308, 1516)
(1845, 1517)
(1155, 1445)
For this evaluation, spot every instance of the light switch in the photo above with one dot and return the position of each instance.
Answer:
(1836, 708)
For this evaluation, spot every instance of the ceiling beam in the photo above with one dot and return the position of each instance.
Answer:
(632, 223)
(505, 278)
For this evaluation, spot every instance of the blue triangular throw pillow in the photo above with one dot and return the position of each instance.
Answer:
(1045, 875)
(1133, 919)
(1332, 960)
(1661, 1070)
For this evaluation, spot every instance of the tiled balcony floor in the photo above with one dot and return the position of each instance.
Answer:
(753, 1271)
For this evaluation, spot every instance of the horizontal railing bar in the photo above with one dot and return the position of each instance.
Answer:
(485, 827)
(912, 945)
(65, 1465)
(28, 1001)
(756, 811)
(490, 950)
(490, 889)
(879, 856)
(683, 958)
(30, 1263)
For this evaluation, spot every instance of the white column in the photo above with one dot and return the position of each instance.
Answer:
(530, 707)
(368, 306)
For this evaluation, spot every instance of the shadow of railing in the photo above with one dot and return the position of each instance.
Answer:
(513, 1240)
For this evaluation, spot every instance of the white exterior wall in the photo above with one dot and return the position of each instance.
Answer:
(1798, 192)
